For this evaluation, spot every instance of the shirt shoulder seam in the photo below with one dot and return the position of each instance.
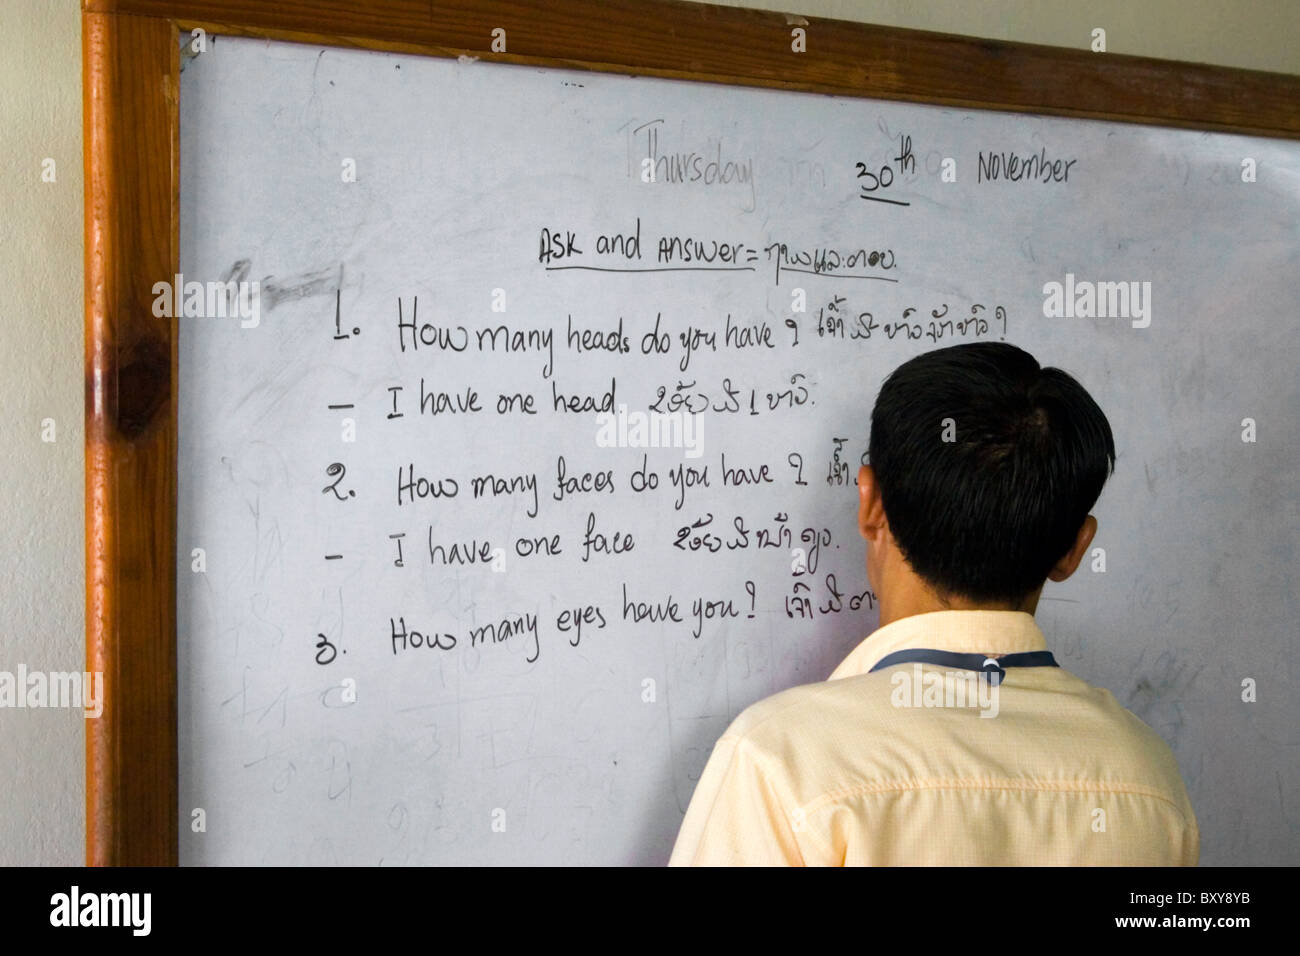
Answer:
(765, 766)
(761, 759)
(960, 783)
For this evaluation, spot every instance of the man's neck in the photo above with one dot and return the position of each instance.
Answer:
(916, 597)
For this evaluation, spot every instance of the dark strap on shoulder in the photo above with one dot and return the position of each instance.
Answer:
(980, 663)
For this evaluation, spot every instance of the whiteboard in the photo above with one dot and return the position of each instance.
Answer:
(804, 246)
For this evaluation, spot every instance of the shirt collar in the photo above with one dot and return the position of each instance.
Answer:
(965, 632)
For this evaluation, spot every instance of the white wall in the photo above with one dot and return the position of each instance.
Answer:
(1251, 34)
(42, 579)
(42, 582)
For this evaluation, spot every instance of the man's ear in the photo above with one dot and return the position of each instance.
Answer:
(871, 509)
(1067, 565)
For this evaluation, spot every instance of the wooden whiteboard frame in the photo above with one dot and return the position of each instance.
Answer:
(131, 72)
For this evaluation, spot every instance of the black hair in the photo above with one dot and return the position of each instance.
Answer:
(987, 466)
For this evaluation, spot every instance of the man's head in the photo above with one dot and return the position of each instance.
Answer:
(983, 467)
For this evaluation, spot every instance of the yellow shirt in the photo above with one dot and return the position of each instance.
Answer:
(900, 767)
